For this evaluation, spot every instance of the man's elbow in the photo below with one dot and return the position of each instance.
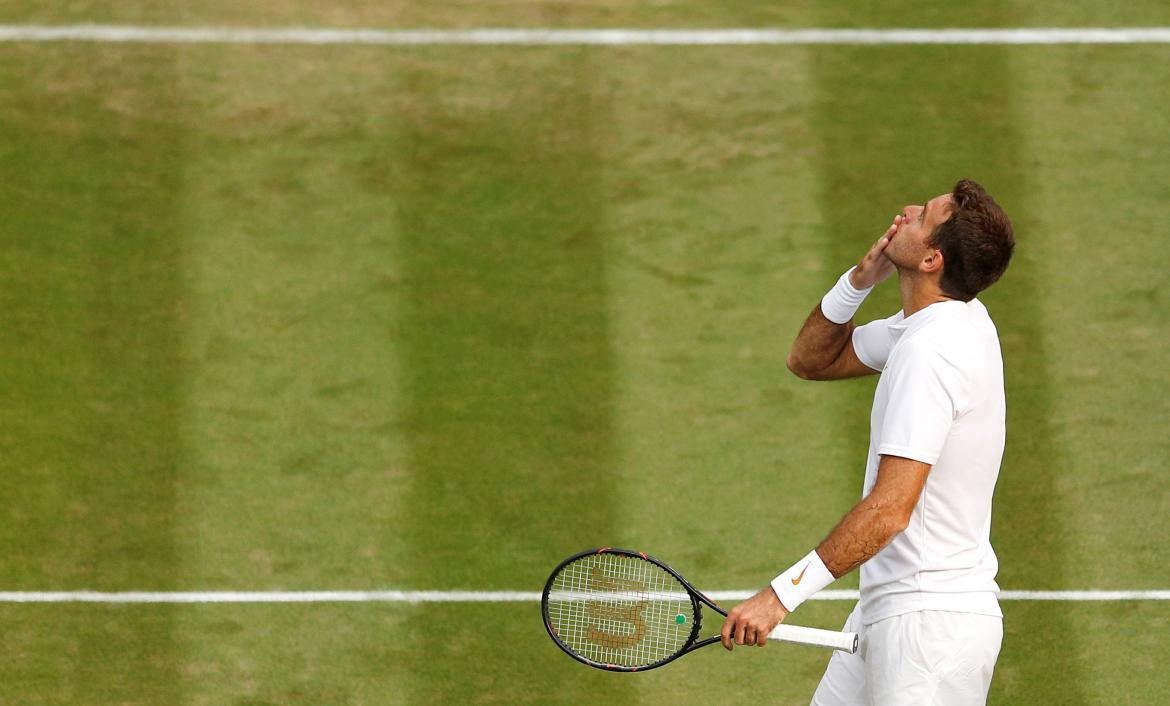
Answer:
(901, 523)
(899, 519)
(800, 370)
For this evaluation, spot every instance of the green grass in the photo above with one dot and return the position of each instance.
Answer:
(299, 318)
(602, 13)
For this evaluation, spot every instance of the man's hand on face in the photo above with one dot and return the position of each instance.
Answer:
(875, 266)
(750, 622)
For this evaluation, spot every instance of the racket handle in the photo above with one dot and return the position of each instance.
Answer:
(845, 641)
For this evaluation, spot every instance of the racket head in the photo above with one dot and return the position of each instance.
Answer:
(620, 610)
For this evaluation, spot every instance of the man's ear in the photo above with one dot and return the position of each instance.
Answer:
(933, 262)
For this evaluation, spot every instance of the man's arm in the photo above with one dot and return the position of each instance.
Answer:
(878, 518)
(863, 532)
(823, 350)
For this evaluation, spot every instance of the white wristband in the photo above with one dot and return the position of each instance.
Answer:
(801, 581)
(842, 301)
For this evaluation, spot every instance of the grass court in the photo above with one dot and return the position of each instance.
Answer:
(433, 318)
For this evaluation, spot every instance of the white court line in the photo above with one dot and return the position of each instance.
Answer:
(472, 596)
(610, 37)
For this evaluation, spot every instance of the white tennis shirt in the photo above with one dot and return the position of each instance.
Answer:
(939, 400)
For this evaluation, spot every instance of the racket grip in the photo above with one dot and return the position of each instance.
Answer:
(844, 641)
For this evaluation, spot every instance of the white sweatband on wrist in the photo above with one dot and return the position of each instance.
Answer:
(842, 301)
(801, 581)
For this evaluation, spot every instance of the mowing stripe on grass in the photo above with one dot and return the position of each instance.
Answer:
(507, 355)
(611, 37)
(93, 368)
(506, 352)
(475, 596)
(904, 112)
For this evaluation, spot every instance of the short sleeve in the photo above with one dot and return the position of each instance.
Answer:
(872, 342)
(921, 405)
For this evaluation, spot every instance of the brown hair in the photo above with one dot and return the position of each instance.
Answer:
(976, 242)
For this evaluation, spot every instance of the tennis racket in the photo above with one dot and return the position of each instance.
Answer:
(625, 611)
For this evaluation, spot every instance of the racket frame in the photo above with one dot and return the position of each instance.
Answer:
(697, 598)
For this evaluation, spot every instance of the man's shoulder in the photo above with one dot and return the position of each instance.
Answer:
(922, 350)
(950, 336)
(960, 345)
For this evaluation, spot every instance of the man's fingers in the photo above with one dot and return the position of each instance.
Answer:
(875, 253)
(750, 635)
(749, 623)
(892, 229)
(758, 636)
(882, 242)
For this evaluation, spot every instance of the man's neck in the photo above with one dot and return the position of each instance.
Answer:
(918, 292)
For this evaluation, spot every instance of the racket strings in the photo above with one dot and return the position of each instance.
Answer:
(620, 610)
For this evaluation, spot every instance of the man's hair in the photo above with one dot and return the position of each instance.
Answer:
(976, 242)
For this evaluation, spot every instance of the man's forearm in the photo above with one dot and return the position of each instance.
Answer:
(879, 517)
(818, 344)
(862, 533)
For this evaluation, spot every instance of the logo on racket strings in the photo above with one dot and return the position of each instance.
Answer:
(624, 609)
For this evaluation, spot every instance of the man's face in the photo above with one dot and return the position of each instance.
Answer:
(908, 246)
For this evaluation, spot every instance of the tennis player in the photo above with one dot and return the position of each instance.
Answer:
(929, 617)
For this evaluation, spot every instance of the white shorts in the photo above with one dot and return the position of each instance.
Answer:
(925, 657)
